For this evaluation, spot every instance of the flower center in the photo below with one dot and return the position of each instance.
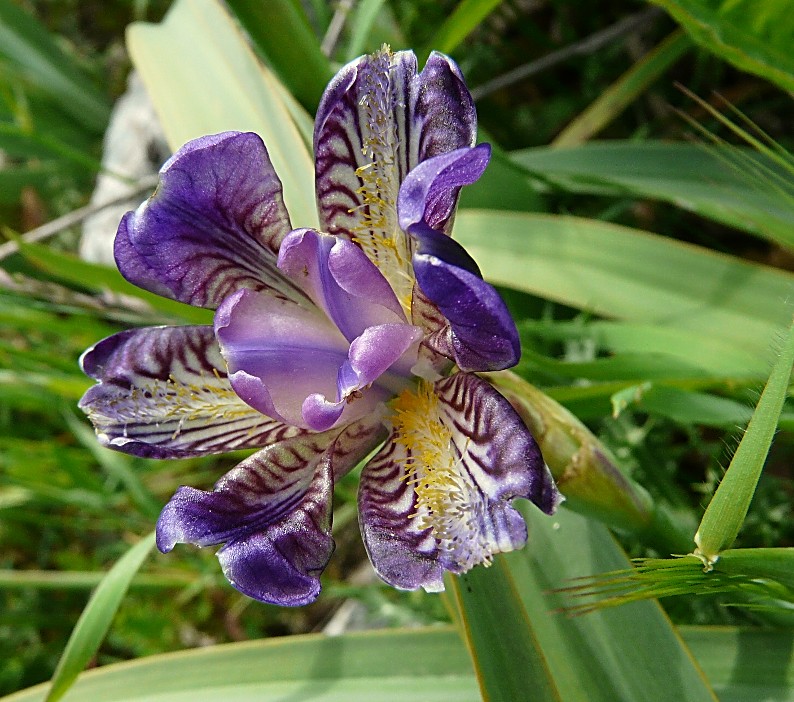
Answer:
(378, 232)
(447, 500)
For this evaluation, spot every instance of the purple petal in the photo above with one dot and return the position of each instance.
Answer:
(377, 367)
(481, 334)
(273, 512)
(437, 496)
(429, 192)
(278, 353)
(293, 365)
(379, 115)
(213, 225)
(403, 552)
(341, 280)
(163, 393)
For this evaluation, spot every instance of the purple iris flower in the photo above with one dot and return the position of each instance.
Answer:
(327, 346)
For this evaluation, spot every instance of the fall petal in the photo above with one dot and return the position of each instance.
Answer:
(213, 225)
(163, 393)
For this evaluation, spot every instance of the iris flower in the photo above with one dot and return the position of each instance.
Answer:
(327, 346)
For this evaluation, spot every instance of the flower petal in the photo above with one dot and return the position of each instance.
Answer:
(273, 512)
(498, 460)
(213, 225)
(341, 280)
(379, 114)
(278, 353)
(481, 334)
(293, 365)
(378, 365)
(403, 553)
(163, 393)
(429, 192)
(437, 496)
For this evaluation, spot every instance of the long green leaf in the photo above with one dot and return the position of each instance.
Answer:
(728, 507)
(629, 274)
(755, 35)
(507, 657)
(745, 665)
(721, 184)
(629, 653)
(428, 665)
(215, 83)
(96, 618)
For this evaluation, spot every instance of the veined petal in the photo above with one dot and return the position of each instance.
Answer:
(481, 334)
(213, 225)
(403, 552)
(341, 281)
(377, 120)
(465, 456)
(272, 512)
(163, 393)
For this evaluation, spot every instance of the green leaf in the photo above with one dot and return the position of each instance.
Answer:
(506, 656)
(717, 356)
(40, 60)
(728, 185)
(629, 274)
(96, 618)
(429, 665)
(744, 665)
(728, 507)
(630, 653)
(268, 24)
(754, 35)
(215, 83)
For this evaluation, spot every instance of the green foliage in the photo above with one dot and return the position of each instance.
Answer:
(656, 345)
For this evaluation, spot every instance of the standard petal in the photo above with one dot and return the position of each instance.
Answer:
(293, 365)
(377, 120)
(481, 334)
(163, 393)
(272, 512)
(341, 280)
(437, 496)
(429, 193)
(213, 225)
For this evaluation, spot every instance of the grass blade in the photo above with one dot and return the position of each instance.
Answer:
(726, 511)
(96, 618)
